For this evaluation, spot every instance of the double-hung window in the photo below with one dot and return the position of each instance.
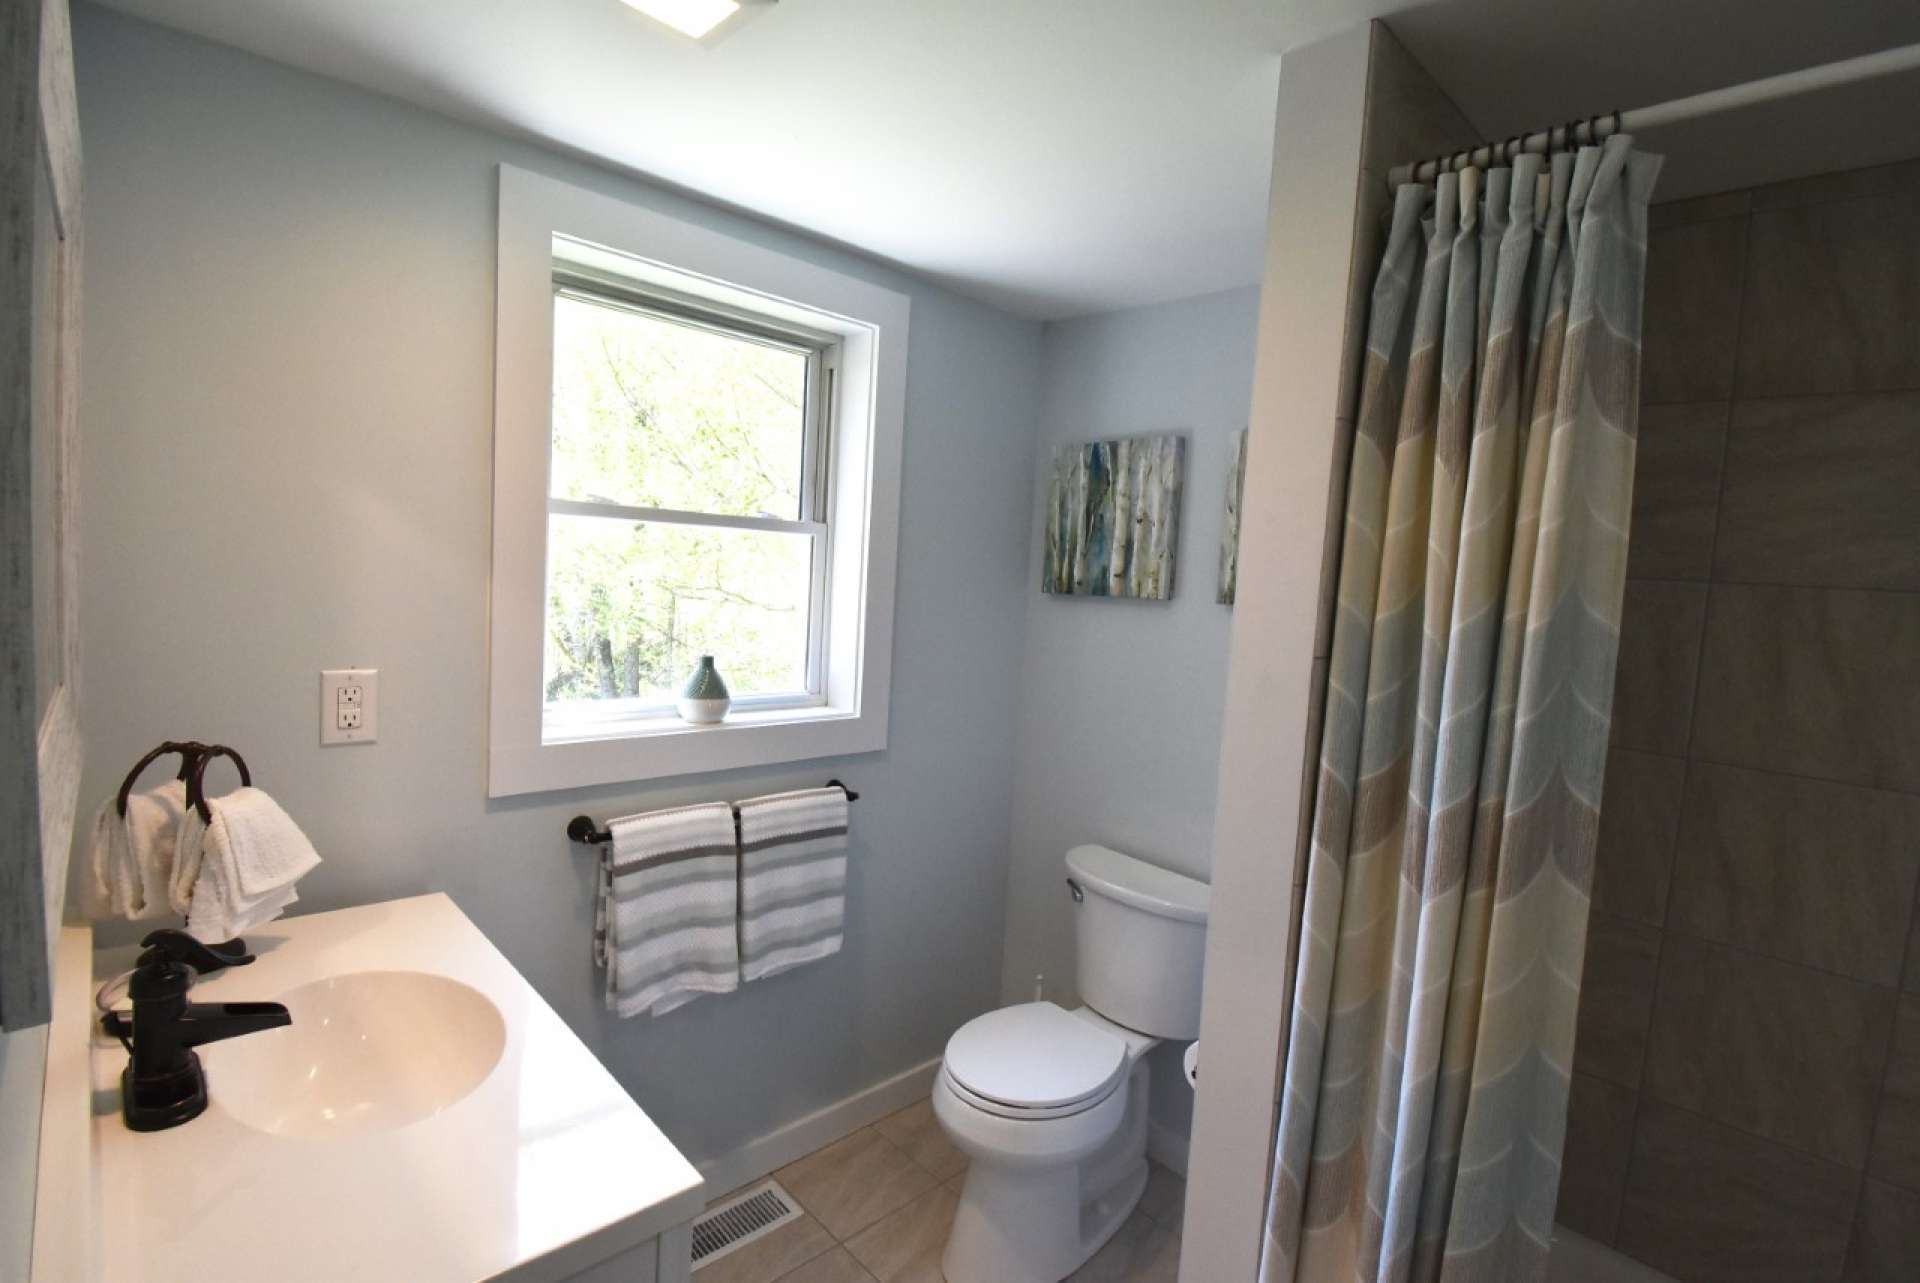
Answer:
(687, 505)
(697, 446)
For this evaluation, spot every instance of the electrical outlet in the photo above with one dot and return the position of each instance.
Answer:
(349, 699)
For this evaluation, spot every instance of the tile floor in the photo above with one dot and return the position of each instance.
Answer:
(879, 1203)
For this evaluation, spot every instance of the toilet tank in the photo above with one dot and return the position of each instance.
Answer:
(1140, 933)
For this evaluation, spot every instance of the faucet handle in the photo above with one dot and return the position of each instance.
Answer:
(170, 945)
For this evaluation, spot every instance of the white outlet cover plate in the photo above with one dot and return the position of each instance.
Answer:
(335, 684)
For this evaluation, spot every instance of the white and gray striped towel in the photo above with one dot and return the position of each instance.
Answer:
(665, 918)
(793, 878)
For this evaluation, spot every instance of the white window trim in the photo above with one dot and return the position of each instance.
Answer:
(654, 249)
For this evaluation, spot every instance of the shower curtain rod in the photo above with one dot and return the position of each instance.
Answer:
(1599, 128)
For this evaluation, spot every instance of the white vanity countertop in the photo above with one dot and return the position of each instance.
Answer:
(543, 1169)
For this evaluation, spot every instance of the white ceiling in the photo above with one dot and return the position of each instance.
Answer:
(1053, 157)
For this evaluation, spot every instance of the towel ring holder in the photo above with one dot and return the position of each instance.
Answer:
(196, 786)
(190, 752)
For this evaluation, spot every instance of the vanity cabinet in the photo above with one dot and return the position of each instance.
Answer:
(666, 1259)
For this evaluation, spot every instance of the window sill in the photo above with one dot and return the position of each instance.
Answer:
(663, 724)
(658, 747)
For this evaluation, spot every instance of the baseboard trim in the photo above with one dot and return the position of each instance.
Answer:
(801, 1137)
(1167, 1147)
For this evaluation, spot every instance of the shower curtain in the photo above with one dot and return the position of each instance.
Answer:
(1470, 686)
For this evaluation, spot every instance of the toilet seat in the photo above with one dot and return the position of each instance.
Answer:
(1023, 1113)
(1033, 1061)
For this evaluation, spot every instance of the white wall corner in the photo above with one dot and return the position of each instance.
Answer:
(1318, 139)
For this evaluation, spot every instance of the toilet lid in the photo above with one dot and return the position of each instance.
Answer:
(1035, 1056)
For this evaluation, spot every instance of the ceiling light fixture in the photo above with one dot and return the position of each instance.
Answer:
(700, 19)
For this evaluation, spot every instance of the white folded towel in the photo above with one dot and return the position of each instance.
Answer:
(189, 844)
(793, 878)
(666, 912)
(133, 854)
(250, 855)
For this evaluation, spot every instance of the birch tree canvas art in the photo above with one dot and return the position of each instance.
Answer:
(1113, 510)
(1230, 532)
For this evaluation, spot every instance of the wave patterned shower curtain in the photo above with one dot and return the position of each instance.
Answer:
(1469, 692)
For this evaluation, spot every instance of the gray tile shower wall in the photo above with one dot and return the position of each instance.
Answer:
(1707, 1201)
(1886, 1235)
(1676, 496)
(1823, 682)
(1896, 1141)
(1746, 1100)
(1633, 867)
(1819, 490)
(1743, 876)
(1833, 298)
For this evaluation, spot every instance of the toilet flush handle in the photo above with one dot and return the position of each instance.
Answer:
(1079, 896)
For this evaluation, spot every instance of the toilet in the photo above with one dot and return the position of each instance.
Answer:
(1050, 1105)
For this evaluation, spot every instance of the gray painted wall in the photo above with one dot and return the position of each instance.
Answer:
(287, 450)
(1121, 701)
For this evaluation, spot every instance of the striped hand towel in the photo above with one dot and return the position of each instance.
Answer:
(793, 878)
(666, 913)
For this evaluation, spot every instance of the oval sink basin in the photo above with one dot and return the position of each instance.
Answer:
(369, 1051)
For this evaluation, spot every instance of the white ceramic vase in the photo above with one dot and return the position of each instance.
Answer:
(704, 700)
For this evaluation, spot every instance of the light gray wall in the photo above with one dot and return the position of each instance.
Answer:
(287, 448)
(1121, 700)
